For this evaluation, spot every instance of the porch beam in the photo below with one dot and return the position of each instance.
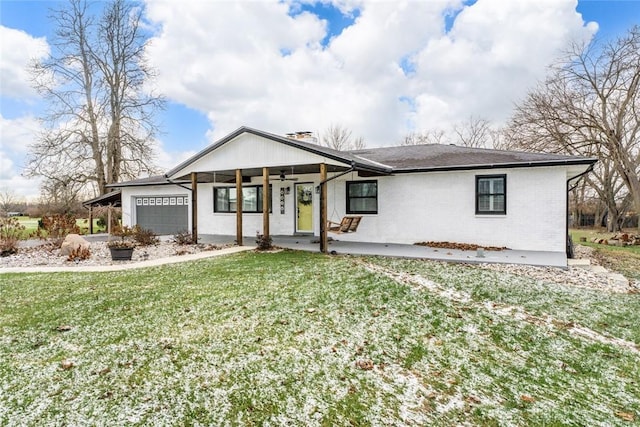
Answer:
(265, 202)
(239, 206)
(324, 243)
(194, 206)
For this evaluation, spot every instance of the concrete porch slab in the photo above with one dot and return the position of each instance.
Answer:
(307, 243)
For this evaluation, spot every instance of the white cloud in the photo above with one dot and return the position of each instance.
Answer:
(17, 50)
(225, 59)
(16, 136)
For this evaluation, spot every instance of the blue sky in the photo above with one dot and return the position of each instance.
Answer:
(382, 69)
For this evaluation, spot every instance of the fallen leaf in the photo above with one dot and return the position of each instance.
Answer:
(66, 364)
(527, 399)
(365, 365)
(627, 416)
(472, 399)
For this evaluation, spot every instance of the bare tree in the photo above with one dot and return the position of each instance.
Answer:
(7, 200)
(473, 132)
(340, 138)
(590, 105)
(432, 136)
(99, 124)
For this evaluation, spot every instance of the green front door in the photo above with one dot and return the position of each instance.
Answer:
(304, 208)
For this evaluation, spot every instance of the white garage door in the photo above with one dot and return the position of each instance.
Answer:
(164, 215)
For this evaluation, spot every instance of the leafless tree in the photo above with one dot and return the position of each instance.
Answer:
(7, 200)
(433, 136)
(340, 138)
(473, 132)
(590, 105)
(99, 124)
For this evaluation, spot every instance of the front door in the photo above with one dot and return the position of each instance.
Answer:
(304, 208)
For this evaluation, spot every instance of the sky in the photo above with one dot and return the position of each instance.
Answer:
(382, 69)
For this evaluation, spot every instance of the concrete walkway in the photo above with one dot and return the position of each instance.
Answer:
(129, 266)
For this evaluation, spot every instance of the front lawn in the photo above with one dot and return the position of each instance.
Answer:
(295, 338)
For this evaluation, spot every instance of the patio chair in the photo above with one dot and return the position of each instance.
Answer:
(348, 224)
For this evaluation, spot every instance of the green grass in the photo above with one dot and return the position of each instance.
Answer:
(624, 259)
(281, 339)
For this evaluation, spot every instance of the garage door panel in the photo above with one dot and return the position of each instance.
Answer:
(162, 217)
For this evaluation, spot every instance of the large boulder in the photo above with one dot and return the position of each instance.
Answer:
(71, 243)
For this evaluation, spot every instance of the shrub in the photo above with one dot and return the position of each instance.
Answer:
(58, 226)
(79, 254)
(145, 237)
(184, 238)
(264, 243)
(124, 234)
(10, 232)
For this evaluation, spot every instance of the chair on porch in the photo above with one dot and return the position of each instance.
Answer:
(348, 224)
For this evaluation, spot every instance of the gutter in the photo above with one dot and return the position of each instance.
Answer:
(569, 243)
(540, 163)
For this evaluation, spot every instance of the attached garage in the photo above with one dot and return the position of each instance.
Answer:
(163, 214)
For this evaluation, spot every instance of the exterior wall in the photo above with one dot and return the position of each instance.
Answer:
(417, 207)
(128, 193)
(441, 207)
(210, 222)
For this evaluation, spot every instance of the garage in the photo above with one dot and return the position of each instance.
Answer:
(163, 214)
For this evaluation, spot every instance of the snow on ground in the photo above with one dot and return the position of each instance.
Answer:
(515, 312)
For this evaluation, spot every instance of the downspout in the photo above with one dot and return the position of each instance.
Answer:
(569, 245)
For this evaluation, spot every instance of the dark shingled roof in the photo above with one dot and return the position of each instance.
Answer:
(413, 158)
(389, 160)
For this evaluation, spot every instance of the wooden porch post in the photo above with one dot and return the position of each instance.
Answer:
(109, 219)
(239, 206)
(324, 243)
(90, 219)
(194, 206)
(265, 202)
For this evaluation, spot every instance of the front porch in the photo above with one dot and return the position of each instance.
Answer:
(310, 244)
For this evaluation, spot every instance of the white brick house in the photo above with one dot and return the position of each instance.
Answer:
(404, 194)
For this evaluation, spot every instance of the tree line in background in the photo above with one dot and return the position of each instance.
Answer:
(100, 124)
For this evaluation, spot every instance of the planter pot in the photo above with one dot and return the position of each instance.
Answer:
(121, 254)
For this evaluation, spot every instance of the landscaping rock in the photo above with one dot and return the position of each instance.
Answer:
(72, 243)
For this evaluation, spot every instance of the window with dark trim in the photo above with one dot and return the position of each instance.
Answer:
(224, 199)
(491, 194)
(362, 197)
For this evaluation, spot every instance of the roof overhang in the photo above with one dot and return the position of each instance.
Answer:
(113, 198)
(344, 160)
